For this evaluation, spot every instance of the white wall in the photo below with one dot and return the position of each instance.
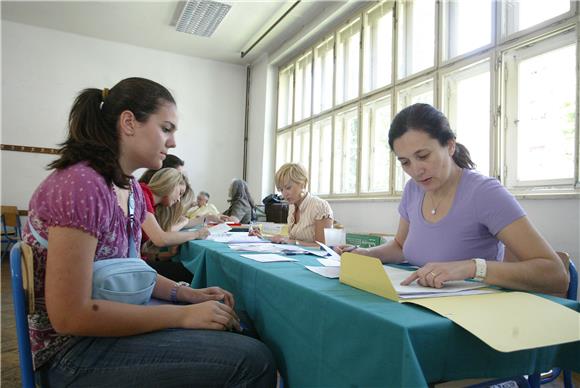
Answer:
(43, 70)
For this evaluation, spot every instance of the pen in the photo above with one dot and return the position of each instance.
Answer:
(351, 248)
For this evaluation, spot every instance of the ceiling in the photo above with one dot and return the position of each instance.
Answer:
(151, 24)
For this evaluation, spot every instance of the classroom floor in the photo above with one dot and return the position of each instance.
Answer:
(10, 371)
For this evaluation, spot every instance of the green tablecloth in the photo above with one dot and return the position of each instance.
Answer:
(327, 334)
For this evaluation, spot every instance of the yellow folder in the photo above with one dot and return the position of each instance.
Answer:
(506, 321)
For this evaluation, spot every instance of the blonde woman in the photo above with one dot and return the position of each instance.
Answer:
(308, 215)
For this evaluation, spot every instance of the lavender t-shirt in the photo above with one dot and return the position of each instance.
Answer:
(74, 197)
(482, 207)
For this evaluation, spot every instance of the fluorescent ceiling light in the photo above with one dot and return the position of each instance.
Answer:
(201, 17)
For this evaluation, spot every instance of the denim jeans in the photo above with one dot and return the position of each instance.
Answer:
(167, 358)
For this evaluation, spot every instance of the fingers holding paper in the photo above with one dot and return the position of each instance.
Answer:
(436, 274)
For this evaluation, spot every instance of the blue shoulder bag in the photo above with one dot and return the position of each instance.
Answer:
(127, 279)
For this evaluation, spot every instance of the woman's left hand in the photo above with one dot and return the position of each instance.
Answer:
(198, 295)
(436, 274)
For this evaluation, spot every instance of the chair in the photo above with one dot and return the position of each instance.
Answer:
(11, 229)
(22, 295)
(536, 379)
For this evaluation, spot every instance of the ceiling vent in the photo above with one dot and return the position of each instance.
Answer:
(201, 17)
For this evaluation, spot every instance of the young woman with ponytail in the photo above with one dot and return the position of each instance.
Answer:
(456, 223)
(81, 208)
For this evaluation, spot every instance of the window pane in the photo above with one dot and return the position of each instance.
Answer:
(423, 93)
(345, 152)
(347, 62)
(375, 153)
(546, 114)
(416, 42)
(321, 156)
(283, 149)
(323, 75)
(303, 87)
(521, 14)
(467, 105)
(285, 92)
(378, 46)
(301, 146)
(468, 26)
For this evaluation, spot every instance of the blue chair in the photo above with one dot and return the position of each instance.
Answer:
(536, 379)
(21, 304)
(11, 228)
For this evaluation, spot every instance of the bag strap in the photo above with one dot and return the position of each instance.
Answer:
(131, 212)
(131, 223)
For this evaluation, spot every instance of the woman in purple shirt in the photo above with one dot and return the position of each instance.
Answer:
(81, 208)
(456, 223)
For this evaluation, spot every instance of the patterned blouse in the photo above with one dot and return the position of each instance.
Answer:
(74, 197)
(312, 209)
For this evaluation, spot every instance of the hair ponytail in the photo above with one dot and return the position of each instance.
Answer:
(462, 158)
(93, 135)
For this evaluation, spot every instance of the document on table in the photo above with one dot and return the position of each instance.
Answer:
(327, 272)
(236, 237)
(329, 262)
(219, 229)
(267, 257)
(415, 290)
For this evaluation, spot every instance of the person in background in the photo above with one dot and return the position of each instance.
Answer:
(171, 161)
(165, 198)
(203, 208)
(81, 208)
(456, 223)
(308, 215)
(242, 205)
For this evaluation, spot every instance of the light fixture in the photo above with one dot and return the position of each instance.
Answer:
(201, 17)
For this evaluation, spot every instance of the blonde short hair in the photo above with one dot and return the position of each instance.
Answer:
(291, 172)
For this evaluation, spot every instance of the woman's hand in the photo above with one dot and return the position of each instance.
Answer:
(210, 315)
(200, 295)
(436, 274)
(340, 249)
(277, 239)
(201, 234)
(224, 218)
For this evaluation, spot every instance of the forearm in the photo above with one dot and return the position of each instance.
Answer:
(101, 318)
(165, 239)
(538, 275)
(391, 252)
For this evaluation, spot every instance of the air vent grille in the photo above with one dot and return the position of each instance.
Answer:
(201, 17)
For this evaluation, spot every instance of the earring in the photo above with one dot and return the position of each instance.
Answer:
(302, 194)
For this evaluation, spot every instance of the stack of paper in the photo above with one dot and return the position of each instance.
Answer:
(267, 258)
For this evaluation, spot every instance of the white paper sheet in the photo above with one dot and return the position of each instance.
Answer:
(329, 262)
(236, 237)
(219, 229)
(327, 272)
(267, 258)
(330, 251)
(416, 290)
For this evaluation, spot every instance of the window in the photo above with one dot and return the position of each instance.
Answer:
(421, 92)
(345, 152)
(323, 75)
(467, 26)
(416, 44)
(378, 46)
(285, 93)
(283, 148)
(505, 73)
(347, 62)
(466, 103)
(522, 14)
(321, 156)
(375, 153)
(303, 95)
(540, 103)
(301, 146)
